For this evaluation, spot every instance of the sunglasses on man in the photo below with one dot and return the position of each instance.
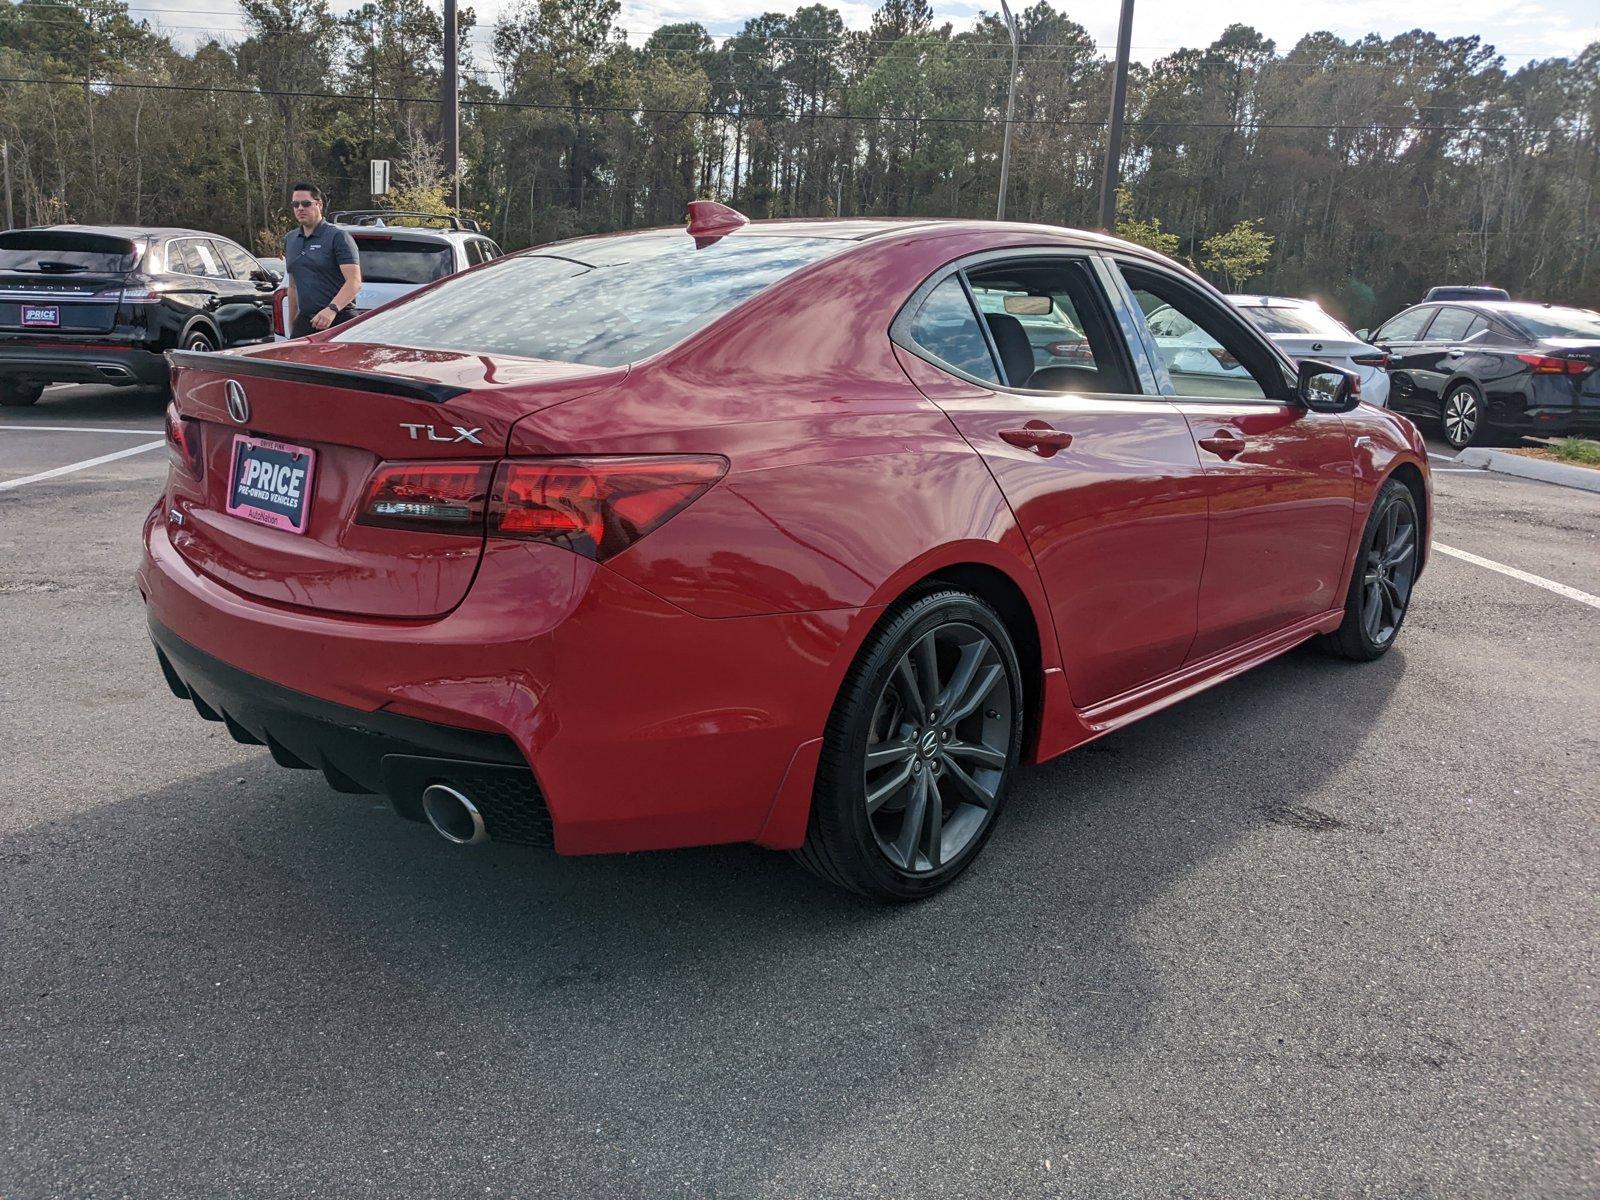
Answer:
(301, 203)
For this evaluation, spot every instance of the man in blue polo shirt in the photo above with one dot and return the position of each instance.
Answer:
(323, 267)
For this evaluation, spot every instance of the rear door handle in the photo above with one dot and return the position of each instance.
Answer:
(1038, 437)
(1223, 444)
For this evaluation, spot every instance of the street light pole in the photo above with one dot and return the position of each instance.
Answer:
(1011, 104)
(1119, 100)
(450, 119)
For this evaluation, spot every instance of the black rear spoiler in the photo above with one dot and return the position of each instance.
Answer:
(330, 377)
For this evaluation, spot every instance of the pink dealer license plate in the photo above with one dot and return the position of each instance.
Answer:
(270, 483)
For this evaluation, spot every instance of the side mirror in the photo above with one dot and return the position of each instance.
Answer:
(1363, 335)
(262, 275)
(1327, 388)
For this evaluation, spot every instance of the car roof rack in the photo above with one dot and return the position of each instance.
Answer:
(379, 216)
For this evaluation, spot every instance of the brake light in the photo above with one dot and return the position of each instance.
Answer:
(183, 442)
(436, 497)
(597, 507)
(1379, 360)
(280, 308)
(1550, 364)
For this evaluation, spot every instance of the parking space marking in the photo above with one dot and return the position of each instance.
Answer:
(1441, 457)
(1550, 585)
(77, 429)
(8, 484)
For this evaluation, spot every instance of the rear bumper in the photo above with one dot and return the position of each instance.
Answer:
(117, 364)
(358, 751)
(645, 726)
(1560, 422)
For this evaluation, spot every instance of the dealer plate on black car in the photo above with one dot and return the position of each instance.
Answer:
(44, 316)
(270, 483)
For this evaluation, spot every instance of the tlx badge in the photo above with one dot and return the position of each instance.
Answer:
(427, 433)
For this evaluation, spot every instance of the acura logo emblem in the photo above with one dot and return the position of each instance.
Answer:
(238, 402)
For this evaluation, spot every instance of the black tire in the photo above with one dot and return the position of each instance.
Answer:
(1370, 583)
(20, 395)
(1463, 418)
(847, 846)
(199, 339)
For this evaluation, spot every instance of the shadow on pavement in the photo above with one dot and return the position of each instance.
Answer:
(283, 978)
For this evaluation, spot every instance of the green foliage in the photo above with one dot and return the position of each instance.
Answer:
(1148, 234)
(1579, 450)
(1359, 171)
(1239, 254)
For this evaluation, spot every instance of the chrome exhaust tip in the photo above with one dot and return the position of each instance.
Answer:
(454, 817)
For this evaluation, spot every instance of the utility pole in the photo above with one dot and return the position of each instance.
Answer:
(1011, 105)
(1119, 101)
(450, 119)
(5, 160)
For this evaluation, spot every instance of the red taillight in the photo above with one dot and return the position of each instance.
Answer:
(183, 442)
(1379, 360)
(1550, 364)
(596, 507)
(436, 497)
(280, 307)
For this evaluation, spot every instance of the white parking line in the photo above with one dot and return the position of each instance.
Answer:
(7, 484)
(1549, 585)
(76, 429)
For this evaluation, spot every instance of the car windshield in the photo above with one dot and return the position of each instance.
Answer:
(1296, 319)
(62, 252)
(393, 261)
(1561, 322)
(599, 301)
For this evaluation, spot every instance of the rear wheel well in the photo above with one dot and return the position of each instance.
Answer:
(1001, 593)
(1408, 474)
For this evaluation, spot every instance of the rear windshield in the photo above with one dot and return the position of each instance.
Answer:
(63, 253)
(385, 261)
(600, 301)
(1294, 320)
(1561, 322)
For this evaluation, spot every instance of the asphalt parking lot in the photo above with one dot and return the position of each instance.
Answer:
(1327, 930)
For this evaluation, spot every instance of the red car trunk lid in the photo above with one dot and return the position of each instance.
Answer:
(353, 407)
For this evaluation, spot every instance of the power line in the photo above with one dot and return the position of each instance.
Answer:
(782, 116)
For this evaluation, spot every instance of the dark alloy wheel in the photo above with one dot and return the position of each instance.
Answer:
(199, 342)
(1462, 417)
(919, 751)
(1385, 572)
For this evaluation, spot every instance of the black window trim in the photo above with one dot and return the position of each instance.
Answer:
(900, 327)
(1269, 350)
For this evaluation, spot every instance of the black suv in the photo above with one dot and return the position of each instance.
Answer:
(103, 303)
(1488, 370)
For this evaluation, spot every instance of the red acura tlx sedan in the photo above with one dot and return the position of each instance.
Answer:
(802, 533)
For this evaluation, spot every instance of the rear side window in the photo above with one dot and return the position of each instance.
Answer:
(1451, 325)
(599, 301)
(947, 328)
(395, 260)
(60, 252)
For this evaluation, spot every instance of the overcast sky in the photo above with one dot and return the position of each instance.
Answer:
(1520, 31)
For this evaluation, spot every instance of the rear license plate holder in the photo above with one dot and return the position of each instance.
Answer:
(269, 483)
(41, 316)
